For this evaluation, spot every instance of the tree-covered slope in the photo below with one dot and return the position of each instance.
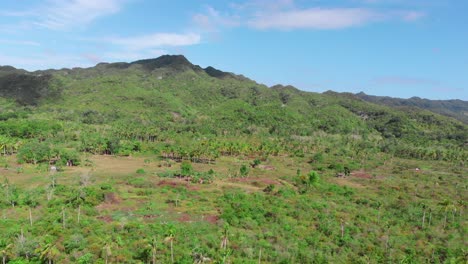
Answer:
(171, 93)
(453, 108)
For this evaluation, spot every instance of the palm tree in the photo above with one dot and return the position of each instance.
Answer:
(152, 247)
(225, 237)
(224, 243)
(49, 253)
(170, 239)
(107, 251)
(6, 252)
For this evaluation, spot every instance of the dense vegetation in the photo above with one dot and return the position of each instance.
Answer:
(454, 108)
(161, 161)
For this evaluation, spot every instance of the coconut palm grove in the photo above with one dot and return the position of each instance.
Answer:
(163, 161)
(233, 132)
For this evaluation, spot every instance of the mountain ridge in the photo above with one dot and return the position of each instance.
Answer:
(454, 108)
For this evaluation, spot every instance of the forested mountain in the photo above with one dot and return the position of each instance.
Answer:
(170, 92)
(454, 108)
(163, 161)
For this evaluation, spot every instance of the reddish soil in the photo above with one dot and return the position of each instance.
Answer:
(184, 218)
(173, 183)
(112, 198)
(361, 174)
(150, 216)
(258, 180)
(212, 219)
(105, 218)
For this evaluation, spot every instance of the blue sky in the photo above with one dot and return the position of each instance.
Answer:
(399, 48)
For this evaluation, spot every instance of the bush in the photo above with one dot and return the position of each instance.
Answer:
(69, 155)
(186, 169)
(35, 152)
(244, 171)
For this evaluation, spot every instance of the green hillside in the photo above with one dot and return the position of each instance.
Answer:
(453, 108)
(163, 161)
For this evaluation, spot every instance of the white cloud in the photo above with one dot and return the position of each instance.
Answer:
(134, 55)
(19, 42)
(315, 18)
(67, 14)
(412, 15)
(264, 5)
(288, 15)
(213, 19)
(44, 61)
(157, 40)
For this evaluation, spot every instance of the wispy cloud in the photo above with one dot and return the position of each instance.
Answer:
(412, 15)
(37, 62)
(315, 18)
(134, 55)
(16, 13)
(264, 5)
(287, 15)
(213, 19)
(156, 40)
(19, 42)
(67, 14)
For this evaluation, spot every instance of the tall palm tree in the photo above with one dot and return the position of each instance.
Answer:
(107, 251)
(224, 243)
(49, 253)
(170, 239)
(225, 237)
(152, 247)
(6, 252)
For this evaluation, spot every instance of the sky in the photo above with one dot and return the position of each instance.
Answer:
(398, 48)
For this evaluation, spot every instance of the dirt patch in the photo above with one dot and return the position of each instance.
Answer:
(256, 180)
(212, 219)
(173, 183)
(105, 218)
(184, 218)
(266, 167)
(361, 174)
(150, 216)
(347, 182)
(112, 198)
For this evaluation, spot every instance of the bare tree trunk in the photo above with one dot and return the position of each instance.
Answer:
(386, 242)
(378, 216)
(430, 218)
(30, 217)
(423, 218)
(79, 213)
(172, 252)
(63, 217)
(260, 256)
(50, 192)
(445, 219)
(342, 229)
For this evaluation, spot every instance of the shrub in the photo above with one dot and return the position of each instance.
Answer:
(35, 152)
(244, 171)
(186, 169)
